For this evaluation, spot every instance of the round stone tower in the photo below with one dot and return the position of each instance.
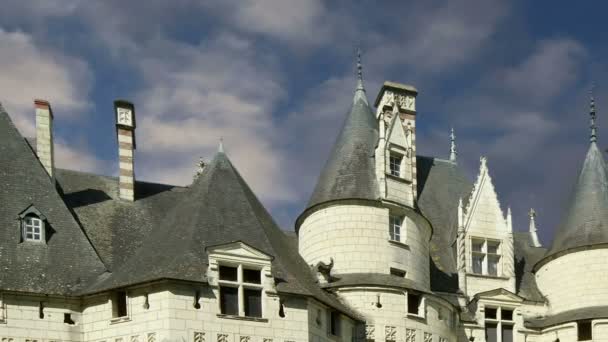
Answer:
(361, 231)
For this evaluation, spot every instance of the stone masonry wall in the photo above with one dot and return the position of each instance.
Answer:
(575, 280)
(357, 238)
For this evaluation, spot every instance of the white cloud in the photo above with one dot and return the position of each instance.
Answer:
(30, 72)
(221, 88)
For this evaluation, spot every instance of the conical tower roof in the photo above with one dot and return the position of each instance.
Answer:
(349, 172)
(586, 219)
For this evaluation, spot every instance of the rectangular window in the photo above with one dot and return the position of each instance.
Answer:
(397, 272)
(413, 304)
(241, 291)
(491, 313)
(395, 164)
(229, 300)
(584, 331)
(507, 333)
(32, 228)
(253, 302)
(395, 223)
(485, 257)
(491, 332)
(228, 273)
(334, 323)
(119, 304)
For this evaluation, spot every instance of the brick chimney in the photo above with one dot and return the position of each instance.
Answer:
(125, 129)
(44, 136)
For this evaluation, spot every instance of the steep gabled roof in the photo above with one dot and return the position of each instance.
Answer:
(349, 172)
(218, 208)
(67, 261)
(586, 219)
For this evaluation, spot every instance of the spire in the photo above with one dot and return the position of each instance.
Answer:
(453, 152)
(533, 230)
(509, 221)
(593, 137)
(220, 147)
(360, 90)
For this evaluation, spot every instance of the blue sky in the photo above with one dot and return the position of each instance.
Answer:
(275, 79)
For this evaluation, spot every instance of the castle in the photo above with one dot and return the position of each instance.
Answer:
(392, 246)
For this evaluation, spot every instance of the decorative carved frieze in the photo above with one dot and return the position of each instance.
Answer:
(410, 335)
(199, 336)
(370, 331)
(390, 333)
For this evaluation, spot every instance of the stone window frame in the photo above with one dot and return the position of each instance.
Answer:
(421, 305)
(241, 285)
(499, 320)
(239, 253)
(32, 214)
(114, 307)
(395, 163)
(486, 255)
(394, 218)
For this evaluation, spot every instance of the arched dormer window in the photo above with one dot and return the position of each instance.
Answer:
(32, 225)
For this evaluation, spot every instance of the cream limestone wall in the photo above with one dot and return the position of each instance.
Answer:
(171, 316)
(22, 320)
(399, 190)
(477, 284)
(575, 280)
(356, 236)
(391, 320)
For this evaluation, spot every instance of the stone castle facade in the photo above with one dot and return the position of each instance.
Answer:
(392, 246)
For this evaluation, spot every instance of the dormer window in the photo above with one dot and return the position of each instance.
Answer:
(240, 291)
(485, 257)
(395, 164)
(33, 226)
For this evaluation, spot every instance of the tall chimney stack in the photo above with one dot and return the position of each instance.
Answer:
(44, 136)
(125, 129)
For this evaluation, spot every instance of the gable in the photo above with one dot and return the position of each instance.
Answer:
(396, 133)
(499, 295)
(483, 214)
(237, 250)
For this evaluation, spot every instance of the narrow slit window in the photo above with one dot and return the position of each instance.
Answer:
(584, 331)
(395, 227)
(413, 304)
(397, 272)
(335, 323)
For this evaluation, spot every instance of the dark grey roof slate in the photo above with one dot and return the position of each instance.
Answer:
(218, 208)
(586, 219)
(349, 171)
(67, 261)
(593, 312)
(441, 184)
(526, 256)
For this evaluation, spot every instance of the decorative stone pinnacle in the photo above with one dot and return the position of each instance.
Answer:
(453, 152)
(593, 137)
(200, 167)
(533, 236)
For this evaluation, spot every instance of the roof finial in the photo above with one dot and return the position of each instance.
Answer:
(359, 71)
(220, 147)
(453, 152)
(593, 137)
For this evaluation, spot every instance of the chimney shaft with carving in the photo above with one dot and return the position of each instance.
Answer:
(125, 129)
(44, 136)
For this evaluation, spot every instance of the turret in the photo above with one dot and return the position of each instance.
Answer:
(571, 273)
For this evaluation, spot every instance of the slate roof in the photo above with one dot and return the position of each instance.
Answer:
(217, 208)
(349, 171)
(586, 218)
(67, 261)
(526, 256)
(441, 184)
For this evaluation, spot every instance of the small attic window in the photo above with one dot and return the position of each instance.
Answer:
(33, 229)
(32, 225)
(395, 164)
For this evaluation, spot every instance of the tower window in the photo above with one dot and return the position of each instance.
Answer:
(485, 256)
(395, 225)
(240, 291)
(33, 229)
(414, 304)
(395, 164)
(584, 331)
